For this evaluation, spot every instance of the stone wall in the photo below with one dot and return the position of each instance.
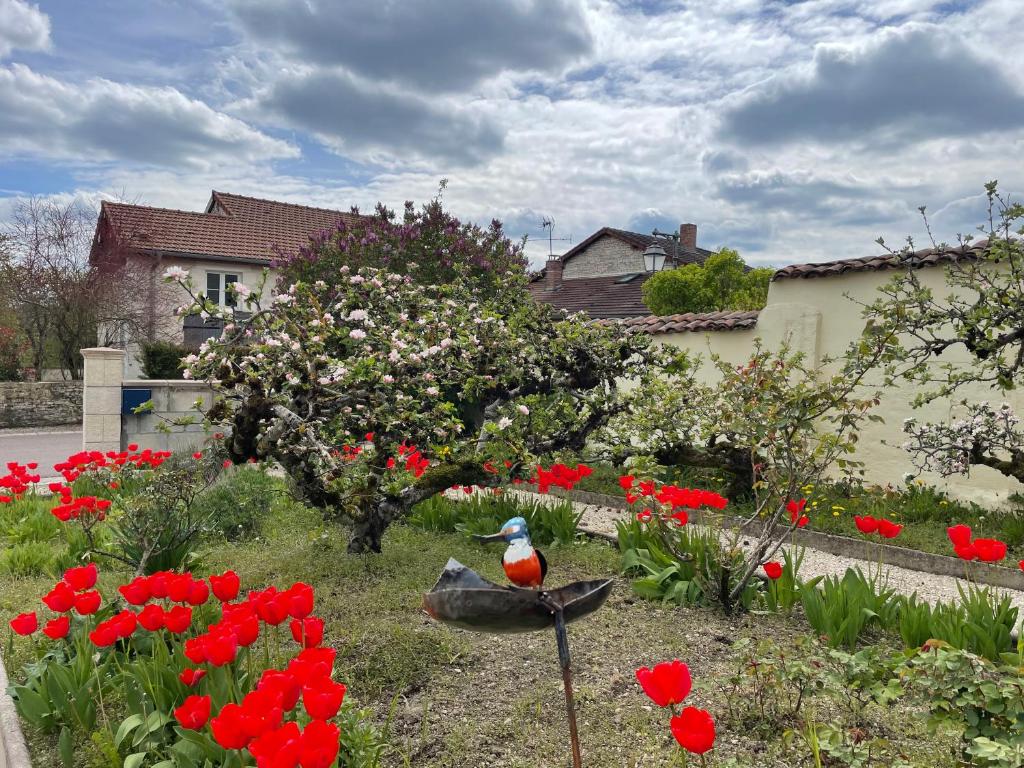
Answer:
(40, 403)
(605, 256)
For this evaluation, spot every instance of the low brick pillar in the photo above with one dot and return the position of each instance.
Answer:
(101, 399)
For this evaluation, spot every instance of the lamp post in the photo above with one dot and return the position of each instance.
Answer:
(654, 258)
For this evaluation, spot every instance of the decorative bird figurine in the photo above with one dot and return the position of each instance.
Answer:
(524, 565)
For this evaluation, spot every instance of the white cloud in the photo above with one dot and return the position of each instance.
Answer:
(22, 26)
(42, 117)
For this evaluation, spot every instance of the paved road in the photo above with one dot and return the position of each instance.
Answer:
(47, 447)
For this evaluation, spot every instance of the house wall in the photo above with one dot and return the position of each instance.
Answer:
(605, 256)
(167, 297)
(821, 317)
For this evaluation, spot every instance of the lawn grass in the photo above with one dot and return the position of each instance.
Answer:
(447, 697)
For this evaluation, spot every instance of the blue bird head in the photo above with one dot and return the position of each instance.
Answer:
(514, 528)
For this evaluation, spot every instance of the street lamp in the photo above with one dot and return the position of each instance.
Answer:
(654, 258)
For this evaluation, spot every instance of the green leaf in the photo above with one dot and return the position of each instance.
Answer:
(135, 759)
(66, 745)
(127, 725)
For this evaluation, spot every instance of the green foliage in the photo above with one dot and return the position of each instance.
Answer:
(983, 697)
(548, 523)
(686, 565)
(162, 359)
(236, 504)
(721, 282)
(981, 622)
(842, 610)
(783, 594)
(10, 355)
(30, 558)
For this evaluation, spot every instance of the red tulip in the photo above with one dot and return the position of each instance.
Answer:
(626, 482)
(966, 552)
(795, 508)
(191, 677)
(178, 586)
(55, 629)
(125, 623)
(87, 603)
(959, 535)
(81, 578)
(193, 712)
(178, 619)
(158, 583)
(246, 629)
(271, 605)
(309, 632)
(773, 570)
(279, 747)
(25, 623)
(263, 710)
(225, 586)
(668, 683)
(320, 743)
(990, 550)
(300, 600)
(311, 664)
(61, 598)
(1021, 564)
(283, 683)
(137, 591)
(105, 634)
(887, 529)
(694, 730)
(220, 648)
(322, 698)
(152, 618)
(195, 650)
(230, 727)
(198, 593)
(866, 524)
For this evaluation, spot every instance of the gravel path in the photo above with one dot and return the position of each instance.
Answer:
(600, 521)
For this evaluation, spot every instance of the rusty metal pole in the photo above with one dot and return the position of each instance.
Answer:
(563, 660)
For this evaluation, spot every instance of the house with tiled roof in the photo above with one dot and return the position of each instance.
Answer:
(604, 274)
(233, 240)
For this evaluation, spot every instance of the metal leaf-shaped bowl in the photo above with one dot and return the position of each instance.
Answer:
(464, 599)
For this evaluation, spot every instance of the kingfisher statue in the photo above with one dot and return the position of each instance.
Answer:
(524, 564)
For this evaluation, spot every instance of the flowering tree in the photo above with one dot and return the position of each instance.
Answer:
(792, 424)
(375, 390)
(984, 315)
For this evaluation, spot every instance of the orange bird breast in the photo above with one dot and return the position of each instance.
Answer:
(525, 571)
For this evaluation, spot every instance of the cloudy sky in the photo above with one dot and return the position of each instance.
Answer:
(792, 131)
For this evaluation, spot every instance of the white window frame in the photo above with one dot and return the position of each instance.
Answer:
(222, 284)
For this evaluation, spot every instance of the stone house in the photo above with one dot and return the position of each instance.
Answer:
(233, 240)
(604, 274)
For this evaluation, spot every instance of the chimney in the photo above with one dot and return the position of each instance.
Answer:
(553, 274)
(688, 237)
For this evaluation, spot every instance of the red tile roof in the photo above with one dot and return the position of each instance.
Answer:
(923, 258)
(232, 226)
(729, 320)
(599, 297)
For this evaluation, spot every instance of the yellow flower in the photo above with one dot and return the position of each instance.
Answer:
(837, 507)
(943, 503)
(835, 514)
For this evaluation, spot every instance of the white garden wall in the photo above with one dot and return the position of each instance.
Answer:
(821, 317)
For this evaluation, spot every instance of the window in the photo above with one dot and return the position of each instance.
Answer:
(217, 287)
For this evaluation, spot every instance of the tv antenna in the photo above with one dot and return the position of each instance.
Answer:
(548, 223)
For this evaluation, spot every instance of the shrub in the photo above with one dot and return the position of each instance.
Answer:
(237, 502)
(148, 500)
(162, 359)
(10, 355)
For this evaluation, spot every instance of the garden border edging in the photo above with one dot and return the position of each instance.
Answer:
(911, 559)
(13, 749)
